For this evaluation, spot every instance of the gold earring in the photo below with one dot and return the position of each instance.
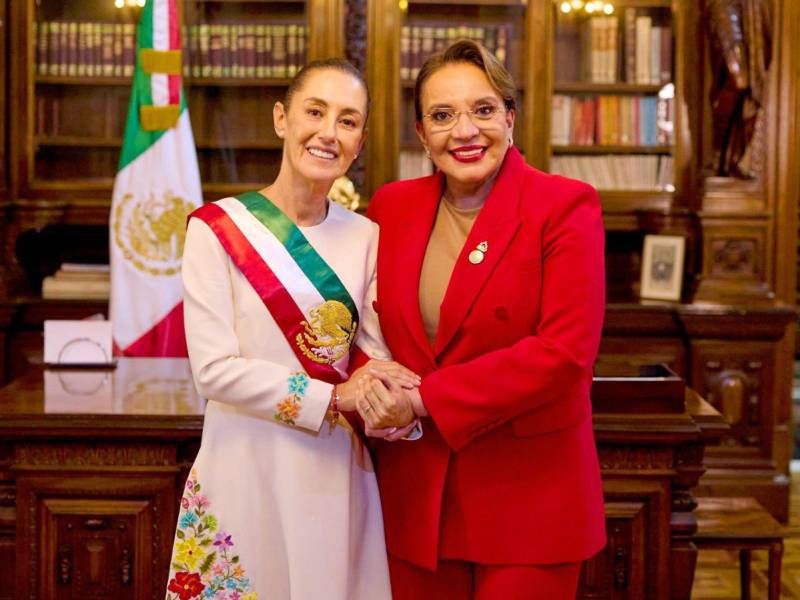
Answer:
(427, 153)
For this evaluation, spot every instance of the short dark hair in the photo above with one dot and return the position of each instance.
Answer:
(470, 52)
(338, 64)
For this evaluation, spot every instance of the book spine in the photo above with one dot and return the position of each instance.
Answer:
(249, 43)
(42, 47)
(269, 51)
(630, 45)
(119, 35)
(416, 59)
(405, 53)
(84, 33)
(643, 27)
(302, 35)
(291, 50)
(108, 49)
(665, 66)
(655, 55)
(503, 34)
(426, 47)
(204, 39)
(224, 56)
(260, 45)
(53, 36)
(72, 49)
(129, 50)
(215, 50)
(279, 51)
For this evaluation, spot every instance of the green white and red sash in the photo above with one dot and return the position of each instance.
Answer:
(285, 270)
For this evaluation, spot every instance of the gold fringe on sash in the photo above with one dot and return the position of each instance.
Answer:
(166, 62)
(158, 118)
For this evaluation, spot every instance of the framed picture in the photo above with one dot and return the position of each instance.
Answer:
(662, 267)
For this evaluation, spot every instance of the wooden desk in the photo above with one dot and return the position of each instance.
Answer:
(95, 461)
(92, 468)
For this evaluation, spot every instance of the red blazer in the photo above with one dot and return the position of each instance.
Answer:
(507, 470)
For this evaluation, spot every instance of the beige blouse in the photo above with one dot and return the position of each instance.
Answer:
(450, 231)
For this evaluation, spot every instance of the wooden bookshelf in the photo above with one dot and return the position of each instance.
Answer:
(68, 127)
(620, 149)
(584, 87)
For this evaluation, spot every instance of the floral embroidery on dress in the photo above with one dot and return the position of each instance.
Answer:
(289, 407)
(203, 560)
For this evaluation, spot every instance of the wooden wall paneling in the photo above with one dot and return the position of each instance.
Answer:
(91, 548)
(738, 260)
(3, 109)
(8, 522)
(326, 22)
(383, 76)
(737, 380)
(619, 571)
(783, 184)
(538, 84)
(688, 37)
(86, 520)
(738, 356)
(20, 72)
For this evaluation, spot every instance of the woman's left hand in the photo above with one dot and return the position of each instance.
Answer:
(382, 403)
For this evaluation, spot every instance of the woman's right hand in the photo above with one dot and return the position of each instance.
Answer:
(403, 376)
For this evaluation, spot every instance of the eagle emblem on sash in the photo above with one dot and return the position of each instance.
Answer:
(327, 335)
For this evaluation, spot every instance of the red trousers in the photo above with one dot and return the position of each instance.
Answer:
(460, 580)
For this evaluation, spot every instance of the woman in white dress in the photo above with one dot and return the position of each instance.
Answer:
(282, 501)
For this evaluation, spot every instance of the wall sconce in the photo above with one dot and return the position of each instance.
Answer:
(591, 7)
(129, 3)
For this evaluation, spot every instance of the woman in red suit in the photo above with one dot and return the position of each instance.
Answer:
(491, 286)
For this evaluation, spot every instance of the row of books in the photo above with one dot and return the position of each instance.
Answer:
(611, 120)
(641, 53)
(82, 49)
(617, 172)
(418, 42)
(78, 281)
(246, 50)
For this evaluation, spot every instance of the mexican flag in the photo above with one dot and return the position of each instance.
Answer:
(157, 186)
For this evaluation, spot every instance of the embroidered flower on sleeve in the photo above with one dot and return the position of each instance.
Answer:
(203, 565)
(289, 408)
(298, 382)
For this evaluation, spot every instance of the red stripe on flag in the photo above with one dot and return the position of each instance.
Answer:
(174, 81)
(166, 338)
(275, 297)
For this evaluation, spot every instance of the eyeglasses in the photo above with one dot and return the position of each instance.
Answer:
(444, 119)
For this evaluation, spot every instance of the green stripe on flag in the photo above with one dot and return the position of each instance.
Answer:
(310, 262)
(137, 140)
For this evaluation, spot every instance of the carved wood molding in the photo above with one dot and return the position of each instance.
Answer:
(623, 459)
(96, 454)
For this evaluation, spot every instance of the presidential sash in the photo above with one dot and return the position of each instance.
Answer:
(320, 322)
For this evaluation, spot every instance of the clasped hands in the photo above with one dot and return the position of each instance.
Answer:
(386, 395)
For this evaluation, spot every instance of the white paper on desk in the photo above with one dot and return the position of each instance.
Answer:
(81, 391)
(77, 342)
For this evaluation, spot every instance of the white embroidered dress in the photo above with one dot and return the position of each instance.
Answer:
(273, 510)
